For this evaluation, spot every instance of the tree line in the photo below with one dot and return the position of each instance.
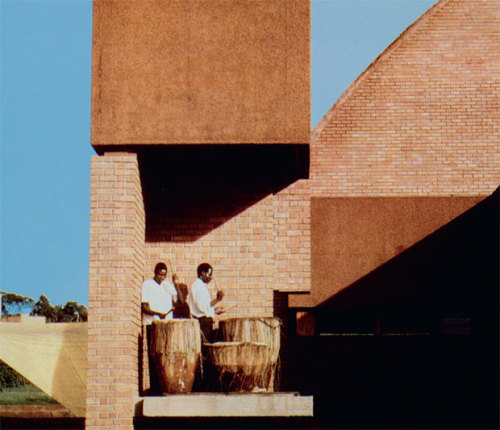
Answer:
(72, 311)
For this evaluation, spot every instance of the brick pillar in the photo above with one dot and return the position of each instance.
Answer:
(116, 271)
(292, 237)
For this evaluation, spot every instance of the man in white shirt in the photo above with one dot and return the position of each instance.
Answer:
(158, 298)
(202, 306)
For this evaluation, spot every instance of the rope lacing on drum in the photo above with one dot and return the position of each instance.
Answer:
(263, 321)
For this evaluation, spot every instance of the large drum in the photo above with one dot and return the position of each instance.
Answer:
(240, 366)
(265, 330)
(175, 347)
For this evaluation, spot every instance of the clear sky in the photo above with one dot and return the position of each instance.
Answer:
(45, 124)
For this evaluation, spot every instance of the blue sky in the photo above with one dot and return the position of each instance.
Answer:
(45, 124)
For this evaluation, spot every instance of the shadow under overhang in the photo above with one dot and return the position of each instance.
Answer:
(189, 190)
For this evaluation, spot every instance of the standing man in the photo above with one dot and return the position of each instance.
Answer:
(202, 306)
(158, 297)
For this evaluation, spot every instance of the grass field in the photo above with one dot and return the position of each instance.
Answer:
(24, 395)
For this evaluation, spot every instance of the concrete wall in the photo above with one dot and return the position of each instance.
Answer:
(209, 71)
(351, 237)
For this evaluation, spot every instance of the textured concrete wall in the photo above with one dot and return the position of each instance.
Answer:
(423, 119)
(116, 269)
(200, 71)
(351, 237)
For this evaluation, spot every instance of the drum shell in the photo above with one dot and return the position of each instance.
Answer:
(257, 329)
(253, 329)
(175, 347)
(240, 366)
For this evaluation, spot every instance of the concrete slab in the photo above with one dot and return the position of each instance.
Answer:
(227, 405)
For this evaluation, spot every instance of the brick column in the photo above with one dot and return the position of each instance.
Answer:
(292, 238)
(116, 271)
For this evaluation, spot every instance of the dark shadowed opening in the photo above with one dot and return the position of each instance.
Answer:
(191, 189)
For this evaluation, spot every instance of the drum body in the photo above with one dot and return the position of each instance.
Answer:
(240, 366)
(266, 330)
(176, 351)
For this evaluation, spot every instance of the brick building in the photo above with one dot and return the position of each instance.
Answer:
(404, 233)
(201, 119)
(411, 144)
(205, 154)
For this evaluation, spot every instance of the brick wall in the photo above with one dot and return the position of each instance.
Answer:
(116, 269)
(423, 119)
(239, 249)
(264, 247)
(292, 238)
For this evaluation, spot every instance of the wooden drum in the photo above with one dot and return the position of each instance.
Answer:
(240, 365)
(265, 330)
(176, 351)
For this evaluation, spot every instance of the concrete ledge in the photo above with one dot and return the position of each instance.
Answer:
(226, 405)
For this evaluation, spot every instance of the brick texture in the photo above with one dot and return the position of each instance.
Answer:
(292, 238)
(263, 248)
(423, 119)
(116, 269)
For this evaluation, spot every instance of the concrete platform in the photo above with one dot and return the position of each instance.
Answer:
(226, 405)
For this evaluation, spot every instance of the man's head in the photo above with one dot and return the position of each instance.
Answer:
(205, 272)
(160, 272)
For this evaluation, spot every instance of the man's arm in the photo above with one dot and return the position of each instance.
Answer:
(220, 296)
(147, 310)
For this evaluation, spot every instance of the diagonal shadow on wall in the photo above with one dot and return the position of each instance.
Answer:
(384, 356)
(455, 268)
(190, 190)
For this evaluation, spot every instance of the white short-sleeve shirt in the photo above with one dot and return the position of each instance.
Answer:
(199, 300)
(159, 297)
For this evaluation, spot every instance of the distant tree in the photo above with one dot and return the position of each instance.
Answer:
(43, 308)
(13, 304)
(82, 312)
(70, 312)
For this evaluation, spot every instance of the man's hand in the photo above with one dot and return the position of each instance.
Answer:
(219, 309)
(161, 315)
(175, 278)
